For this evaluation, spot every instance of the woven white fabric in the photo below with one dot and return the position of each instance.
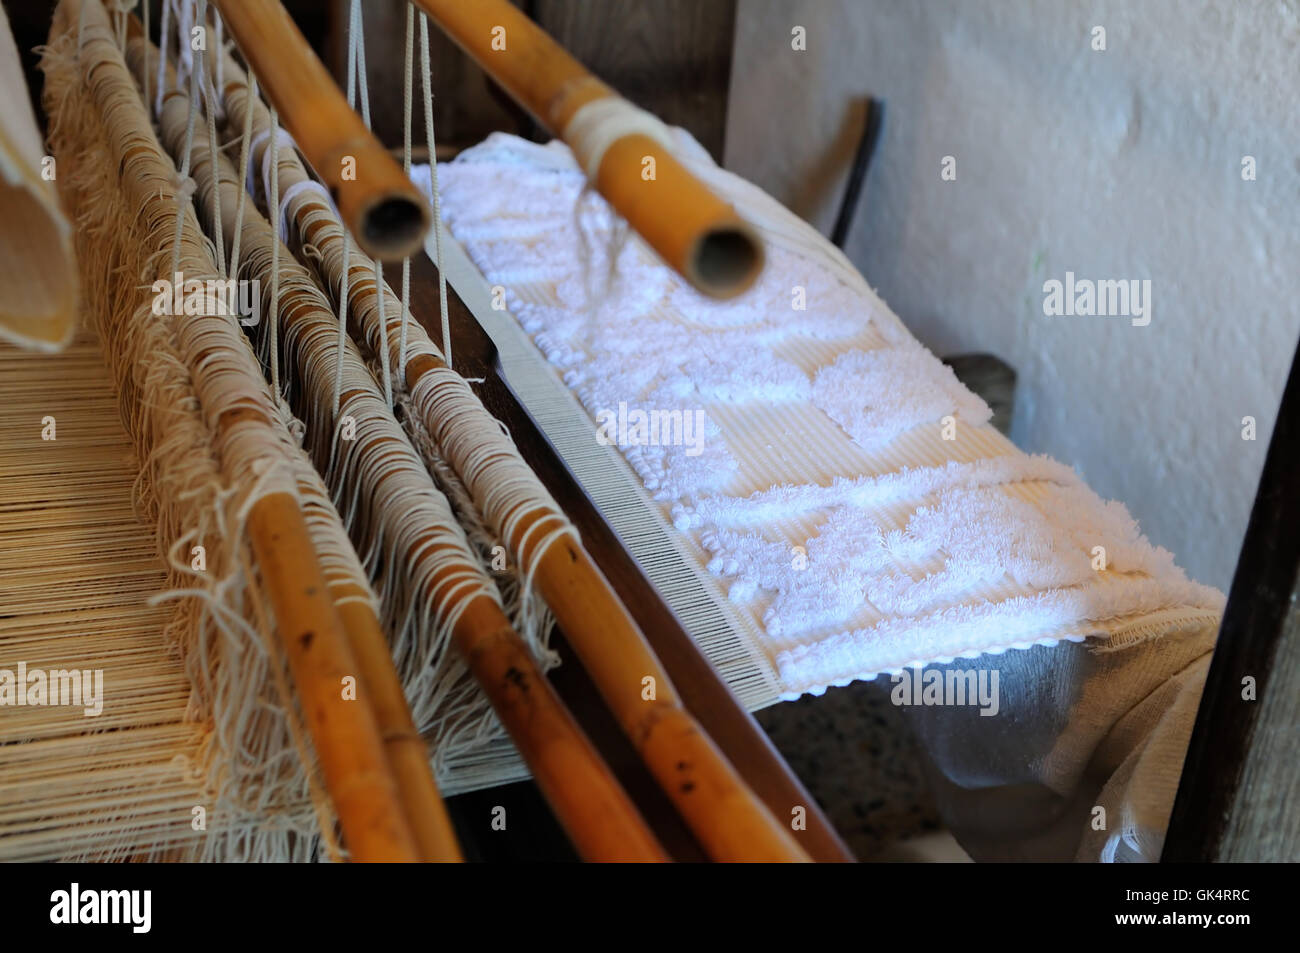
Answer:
(851, 500)
(804, 387)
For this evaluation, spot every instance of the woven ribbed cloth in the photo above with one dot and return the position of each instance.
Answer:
(823, 501)
(845, 492)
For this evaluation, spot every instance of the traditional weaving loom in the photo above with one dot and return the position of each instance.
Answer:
(314, 561)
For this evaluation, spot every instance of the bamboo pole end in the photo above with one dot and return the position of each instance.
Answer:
(725, 260)
(393, 226)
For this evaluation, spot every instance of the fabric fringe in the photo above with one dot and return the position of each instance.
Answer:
(259, 797)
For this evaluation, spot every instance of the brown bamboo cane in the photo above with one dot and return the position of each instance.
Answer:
(408, 755)
(589, 803)
(723, 812)
(591, 806)
(693, 230)
(725, 815)
(344, 734)
(425, 812)
(382, 208)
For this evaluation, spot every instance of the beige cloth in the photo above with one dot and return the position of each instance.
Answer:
(38, 268)
(1081, 727)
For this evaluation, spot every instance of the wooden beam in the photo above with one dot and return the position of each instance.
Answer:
(1241, 779)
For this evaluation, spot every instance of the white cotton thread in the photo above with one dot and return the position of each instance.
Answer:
(354, 42)
(273, 202)
(176, 379)
(164, 37)
(343, 317)
(245, 155)
(352, 55)
(291, 193)
(427, 571)
(503, 487)
(144, 73)
(282, 138)
(512, 500)
(182, 197)
(408, 82)
(184, 52)
(210, 100)
(357, 41)
(383, 336)
(435, 197)
(357, 70)
(602, 122)
(357, 472)
(220, 47)
(81, 28)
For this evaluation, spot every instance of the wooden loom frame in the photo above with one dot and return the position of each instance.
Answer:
(826, 843)
(1257, 632)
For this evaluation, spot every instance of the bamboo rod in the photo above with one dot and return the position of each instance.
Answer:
(378, 684)
(722, 811)
(725, 815)
(590, 804)
(344, 734)
(408, 755)
(588, 801)
(425, 812)
(692, 229)
(383, 210)
(347, 740)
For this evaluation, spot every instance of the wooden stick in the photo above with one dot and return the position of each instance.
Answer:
(588, 801)
(408, 755)
(344, 734)
(346, 737)
(692, 229)
(383, 210)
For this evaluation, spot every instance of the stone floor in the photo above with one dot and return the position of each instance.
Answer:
(853, 752)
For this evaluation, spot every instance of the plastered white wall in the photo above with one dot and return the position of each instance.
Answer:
(1117, 164)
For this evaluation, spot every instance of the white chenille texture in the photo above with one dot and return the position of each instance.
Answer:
(846, 491)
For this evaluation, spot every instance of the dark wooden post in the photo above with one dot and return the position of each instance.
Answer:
(1241, 780)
